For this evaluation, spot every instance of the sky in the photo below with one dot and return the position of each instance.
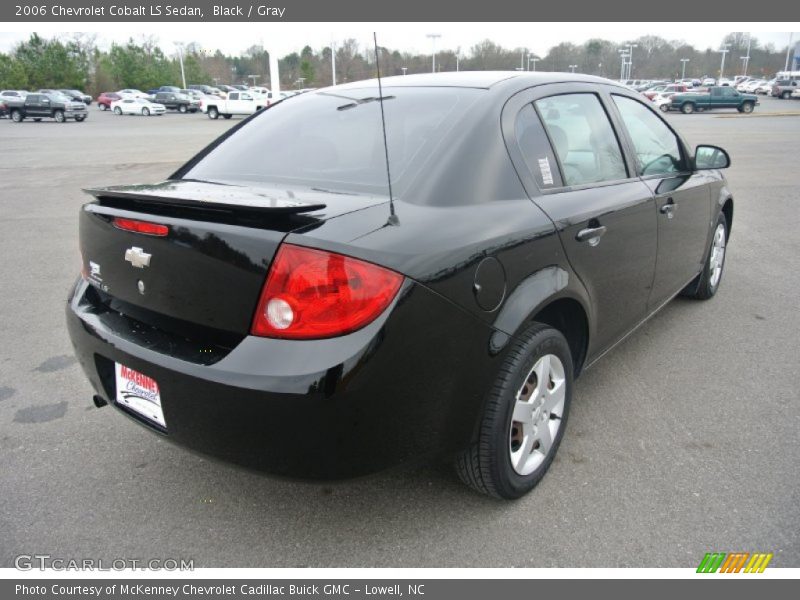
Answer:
(233, 38)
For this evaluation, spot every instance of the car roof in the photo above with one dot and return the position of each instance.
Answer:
(480, 79)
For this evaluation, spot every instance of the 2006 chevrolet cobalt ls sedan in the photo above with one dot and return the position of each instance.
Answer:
(276, 304)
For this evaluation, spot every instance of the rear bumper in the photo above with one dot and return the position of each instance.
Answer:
(409, 385)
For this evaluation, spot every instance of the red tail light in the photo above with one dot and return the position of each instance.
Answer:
(141, 227)
(312, 294)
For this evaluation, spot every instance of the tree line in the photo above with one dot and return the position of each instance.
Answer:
(77, 62)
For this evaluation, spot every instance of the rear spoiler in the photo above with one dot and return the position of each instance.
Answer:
(206, 195)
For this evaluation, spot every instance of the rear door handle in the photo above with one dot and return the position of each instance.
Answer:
(591, 235)
(669, 208)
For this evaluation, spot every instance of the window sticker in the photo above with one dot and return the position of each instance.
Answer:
(547, 174)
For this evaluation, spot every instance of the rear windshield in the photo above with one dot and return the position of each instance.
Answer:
(333, 139)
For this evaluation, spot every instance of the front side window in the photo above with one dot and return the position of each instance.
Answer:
(583, 138)
(657, 148)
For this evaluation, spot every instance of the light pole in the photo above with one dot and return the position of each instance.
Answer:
(333, 63)
(179, 46)
(723, 50)
(683, 67)
(457, 62)
(433, 37)
(573, 67)
(253, 77)
(746, 59)
(404, 70)
(533, 59)
(622, 56)
(788, 51)
(630, 59)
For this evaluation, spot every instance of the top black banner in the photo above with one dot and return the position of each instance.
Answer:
(400, 10)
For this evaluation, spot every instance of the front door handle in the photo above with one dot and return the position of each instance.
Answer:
(591, 235)
(669, 208)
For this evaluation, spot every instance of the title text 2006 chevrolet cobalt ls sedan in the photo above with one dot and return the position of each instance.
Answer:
(272, 305)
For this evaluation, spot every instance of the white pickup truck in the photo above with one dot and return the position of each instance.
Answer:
(237, 103)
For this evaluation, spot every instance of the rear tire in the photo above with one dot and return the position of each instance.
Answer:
(511, 453)
(227, 116)
(79, 119)
(16, 116)
(786, 95)
(687, 108)
(664, 108)
(707, 283)
(37, 120)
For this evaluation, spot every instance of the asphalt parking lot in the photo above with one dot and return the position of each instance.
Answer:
(683, 440)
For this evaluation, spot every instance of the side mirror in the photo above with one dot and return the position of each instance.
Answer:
(711, 157)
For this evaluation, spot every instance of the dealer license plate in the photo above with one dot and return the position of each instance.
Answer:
(140, 393)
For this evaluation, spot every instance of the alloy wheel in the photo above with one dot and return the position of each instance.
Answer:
(717, 259)
(538, 408)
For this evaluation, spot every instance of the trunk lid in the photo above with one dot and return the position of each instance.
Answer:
(209, 268)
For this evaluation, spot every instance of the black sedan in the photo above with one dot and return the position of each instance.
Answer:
(312, 297)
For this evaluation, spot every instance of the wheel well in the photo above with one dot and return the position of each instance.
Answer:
(727, 210)
(568, 316)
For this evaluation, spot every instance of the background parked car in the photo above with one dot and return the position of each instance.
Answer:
(765, 88)
(665, 88)
(105, 99)
(783, 88)
(131, 93)
(77, 95)
(46, 106)
(137, 106)
(716, 97)
(208, 90)
(177, 101)
(3, 109)
(13, 94)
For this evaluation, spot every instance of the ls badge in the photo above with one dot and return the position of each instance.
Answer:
(137, 257)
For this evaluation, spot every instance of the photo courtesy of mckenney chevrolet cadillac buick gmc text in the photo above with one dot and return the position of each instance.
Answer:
(273, 304)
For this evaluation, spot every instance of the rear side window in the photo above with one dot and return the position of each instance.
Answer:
(658, 151)
(536, 149)
(587, 148)
(334, 139)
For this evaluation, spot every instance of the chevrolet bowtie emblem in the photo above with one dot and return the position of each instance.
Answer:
(138, 257)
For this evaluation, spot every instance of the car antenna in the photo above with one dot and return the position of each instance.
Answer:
(393, 220)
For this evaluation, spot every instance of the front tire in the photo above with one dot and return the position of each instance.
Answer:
(786, 95)
(213, 113)
(706, 284)
(59, 116)
(146, 112)
(664, 108)
(182, 109)
(16, 116)
(524, 417)
(117, 110)
(747, 107)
